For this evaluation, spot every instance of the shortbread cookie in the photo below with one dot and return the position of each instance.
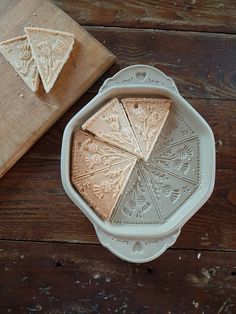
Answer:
(111, 125)
(51, 49)
(18, 53)
(90, 155)
(103, 188)
(147, 117)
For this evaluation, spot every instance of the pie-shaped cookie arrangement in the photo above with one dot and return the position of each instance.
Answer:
(106, 157)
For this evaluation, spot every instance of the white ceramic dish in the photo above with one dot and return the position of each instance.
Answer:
(184, 162)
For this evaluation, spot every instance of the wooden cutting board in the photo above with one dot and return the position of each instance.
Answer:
(25, 116)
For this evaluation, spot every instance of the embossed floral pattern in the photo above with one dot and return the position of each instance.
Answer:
(148, 118)
(178, 160)
(172, 194)
(99, 190)
(58, 47)
(136, 208)
(185, 152)
(159, 186)
(50, 56)
(47, 50)
(94, 154)
(89, 146)
(153, 119)
(113, 123)
(92, 157)
(44, 49)
(117, 132)
(92, 160)
(25, 53)
(141, 114)
(112, 183)
(26, 64)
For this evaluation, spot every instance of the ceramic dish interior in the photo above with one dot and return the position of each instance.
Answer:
(180, 171)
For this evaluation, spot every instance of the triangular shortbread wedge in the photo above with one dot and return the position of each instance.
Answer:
(90, 155)
(51, 49)
(18, 53)
(111, 125)
(147, 117)
(103, 189)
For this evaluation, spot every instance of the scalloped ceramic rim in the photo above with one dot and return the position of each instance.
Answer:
(207, 154)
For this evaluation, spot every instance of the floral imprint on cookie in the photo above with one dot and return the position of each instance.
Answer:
(50, 56)
(136, 207)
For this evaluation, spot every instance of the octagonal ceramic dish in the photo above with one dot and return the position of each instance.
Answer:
(162, 193)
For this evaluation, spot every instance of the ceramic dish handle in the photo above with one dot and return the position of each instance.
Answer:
(142, 75)
(136, 251)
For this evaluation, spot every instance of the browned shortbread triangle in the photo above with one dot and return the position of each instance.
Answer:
(111, 125)
(90, 155)
(103, 188)
(51, 49)
(147, 117)
(18, 53)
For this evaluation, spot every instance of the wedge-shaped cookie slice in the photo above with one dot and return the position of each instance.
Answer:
(111, 125)
(136, 205)
(169, 192)
(103, 188)
(18, 53)
(51, 49)
(182, 160)
(90, 155)
(147, 117)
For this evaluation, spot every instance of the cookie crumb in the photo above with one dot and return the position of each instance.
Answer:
(196, 304)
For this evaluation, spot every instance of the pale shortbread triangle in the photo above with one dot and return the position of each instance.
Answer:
(51, 49)
(103, 189)
(18, 53)
(90, 155)
(111, 125)
(147, 117)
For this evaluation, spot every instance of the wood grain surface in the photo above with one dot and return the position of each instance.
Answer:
(202, 64)
(204, 15)
(21, 128)
(65, 278)
(39, 270)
